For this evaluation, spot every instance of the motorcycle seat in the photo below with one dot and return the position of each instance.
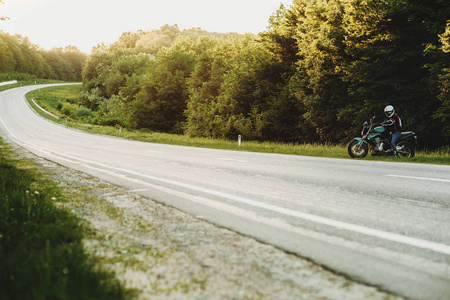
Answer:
(407, 134)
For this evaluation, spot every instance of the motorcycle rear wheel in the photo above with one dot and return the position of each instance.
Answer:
(357, 151)
(407, 150)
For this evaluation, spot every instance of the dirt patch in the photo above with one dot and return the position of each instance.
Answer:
(167, 254)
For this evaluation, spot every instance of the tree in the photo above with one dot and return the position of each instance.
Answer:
(204, 88)
(19, 56)
(129, 39)
(319, 71)
(390, 63)
(160, 102)
(443, 113)
(318, 83)
(61, 68)
(7, 61)
(445, 38)
(75, 58)
(93, 73)
(355, 57)
(151, 42)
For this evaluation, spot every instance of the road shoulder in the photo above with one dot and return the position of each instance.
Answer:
(167, 254)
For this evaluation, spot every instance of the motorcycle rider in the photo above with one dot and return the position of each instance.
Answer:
(394, 125)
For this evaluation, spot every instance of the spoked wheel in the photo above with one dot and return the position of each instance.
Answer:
(357, 151)
(406, 149)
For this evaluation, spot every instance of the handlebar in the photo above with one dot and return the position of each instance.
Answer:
(367, 125)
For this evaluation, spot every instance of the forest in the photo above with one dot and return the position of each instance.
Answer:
(20, 59)
(320, 70)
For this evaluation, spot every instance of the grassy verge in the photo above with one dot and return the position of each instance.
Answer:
(50, 98)
(41, 250)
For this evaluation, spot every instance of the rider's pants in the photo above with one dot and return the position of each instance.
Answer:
(394, 139)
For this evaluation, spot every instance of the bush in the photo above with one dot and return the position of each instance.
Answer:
(69, 109)
(8, 76)
(84, 112)
(111, 121)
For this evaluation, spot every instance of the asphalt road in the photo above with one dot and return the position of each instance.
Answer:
(385, 224)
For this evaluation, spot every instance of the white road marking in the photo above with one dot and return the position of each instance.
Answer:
(421, 203)
(419, 178)
(231, 159)
(138, 190)
(440, 248)
(394, 237)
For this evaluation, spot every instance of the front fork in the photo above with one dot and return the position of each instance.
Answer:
(360, 142)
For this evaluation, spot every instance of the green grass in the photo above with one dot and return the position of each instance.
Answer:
(49, 97)
(41, 250)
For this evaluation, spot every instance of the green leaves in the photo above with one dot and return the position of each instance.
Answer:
(315, 75)
(358, 56)
(18, 54)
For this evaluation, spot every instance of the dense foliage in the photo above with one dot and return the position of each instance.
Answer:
(20, 59)
(318, 71)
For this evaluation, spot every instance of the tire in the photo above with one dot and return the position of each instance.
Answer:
(408, 150)
(357, 151)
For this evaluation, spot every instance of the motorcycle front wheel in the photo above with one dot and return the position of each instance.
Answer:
(407, 149)
(357, 151)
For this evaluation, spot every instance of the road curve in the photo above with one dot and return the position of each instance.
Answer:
(384, 224)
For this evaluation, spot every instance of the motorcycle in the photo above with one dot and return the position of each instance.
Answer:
(376, 139)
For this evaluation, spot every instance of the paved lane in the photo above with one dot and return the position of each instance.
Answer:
(386, 224)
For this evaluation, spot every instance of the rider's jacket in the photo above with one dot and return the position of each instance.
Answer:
(394, 123)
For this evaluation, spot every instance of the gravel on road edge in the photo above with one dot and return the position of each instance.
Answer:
(167, 254)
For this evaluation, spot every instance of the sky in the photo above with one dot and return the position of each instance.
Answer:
(87, 23)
